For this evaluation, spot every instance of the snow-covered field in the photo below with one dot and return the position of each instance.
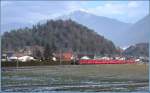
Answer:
(76, 78)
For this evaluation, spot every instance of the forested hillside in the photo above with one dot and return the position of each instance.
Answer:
(140, 49)
(58, 34)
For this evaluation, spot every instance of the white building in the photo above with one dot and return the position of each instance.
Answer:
(25, 58)
(85, 57)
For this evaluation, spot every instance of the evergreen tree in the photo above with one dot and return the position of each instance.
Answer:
(58, 34)
(47, 52)
(38, 54)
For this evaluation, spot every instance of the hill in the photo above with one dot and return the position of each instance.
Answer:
(140, 49)
(59, 34)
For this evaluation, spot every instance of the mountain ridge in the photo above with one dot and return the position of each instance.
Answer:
(140, 31)
(108, 27)
(117, 31)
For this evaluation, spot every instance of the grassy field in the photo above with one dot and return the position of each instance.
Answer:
(87, 78)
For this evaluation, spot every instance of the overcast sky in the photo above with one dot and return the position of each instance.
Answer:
(35, 11)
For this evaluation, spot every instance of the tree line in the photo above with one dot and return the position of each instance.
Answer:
(58, 34)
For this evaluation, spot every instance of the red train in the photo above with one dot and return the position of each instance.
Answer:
(92, 61)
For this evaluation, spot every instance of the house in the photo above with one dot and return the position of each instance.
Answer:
(25, 58)
(85, 57)
(67, 56)
(6, 55)
(54, 59)
(106, 58)
(64, 56)
(91, 56)
(14, 56)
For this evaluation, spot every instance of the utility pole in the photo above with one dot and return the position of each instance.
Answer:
(74, 58)
(60, 56)
(17, 64)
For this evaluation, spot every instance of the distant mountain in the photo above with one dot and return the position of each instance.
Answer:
(58, 34)
(138, 32)
(140, 49)
(110, 28)
(122, 34)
